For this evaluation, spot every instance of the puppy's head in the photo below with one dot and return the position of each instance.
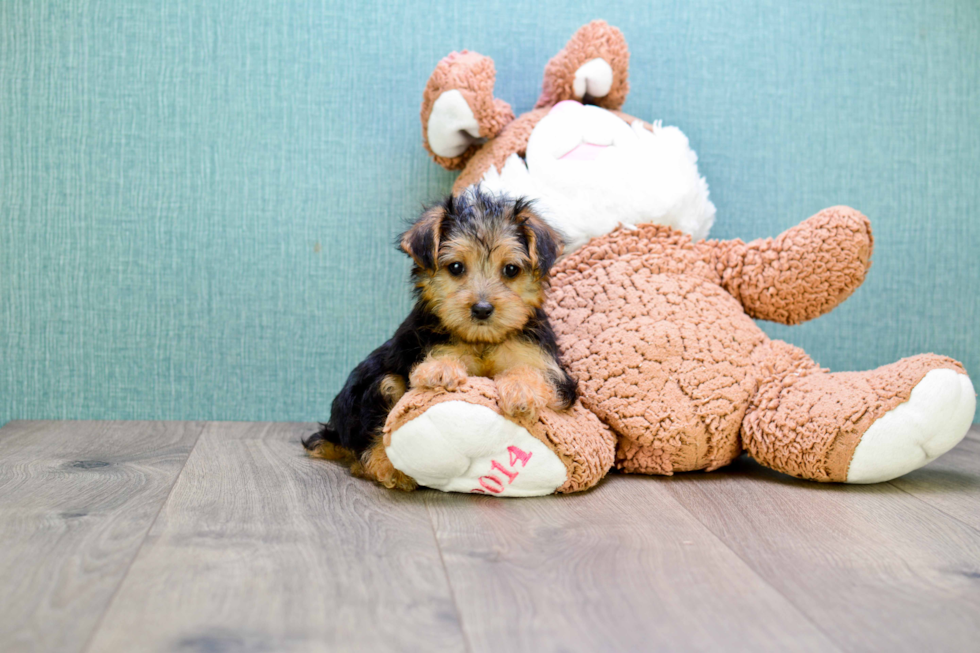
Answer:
(481, 263)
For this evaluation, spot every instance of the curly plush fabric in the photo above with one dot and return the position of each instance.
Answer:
(662, 353)
(801, 274)
(473, 76)
(597, 40)
(655, 329)
(807, 422)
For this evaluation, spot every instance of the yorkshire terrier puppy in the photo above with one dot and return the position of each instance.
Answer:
(480, 272)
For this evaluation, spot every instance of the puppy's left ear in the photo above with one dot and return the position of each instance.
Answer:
(544, 244)
(421, 241)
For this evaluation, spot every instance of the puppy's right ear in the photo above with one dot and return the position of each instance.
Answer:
(544, 244)
(421, 241)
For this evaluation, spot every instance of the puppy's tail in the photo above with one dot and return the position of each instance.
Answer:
(323, 444)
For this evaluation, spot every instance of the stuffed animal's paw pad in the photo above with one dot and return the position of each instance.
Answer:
(935, 418)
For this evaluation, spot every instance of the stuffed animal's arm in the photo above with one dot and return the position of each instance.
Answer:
(801, 274)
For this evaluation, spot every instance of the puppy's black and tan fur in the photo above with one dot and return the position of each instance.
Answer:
(480, 271)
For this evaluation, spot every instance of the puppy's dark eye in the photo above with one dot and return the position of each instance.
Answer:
(456, 269)
(511, 270)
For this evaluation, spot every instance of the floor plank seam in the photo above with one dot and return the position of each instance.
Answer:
(136, 554)
(806, 617)
(934, 507)
(449, 582)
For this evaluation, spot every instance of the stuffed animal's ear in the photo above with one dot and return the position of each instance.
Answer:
(459, 111)
(544, 244)
(421, 241)
(592, 68)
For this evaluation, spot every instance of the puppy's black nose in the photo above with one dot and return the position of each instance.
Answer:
(481, 310)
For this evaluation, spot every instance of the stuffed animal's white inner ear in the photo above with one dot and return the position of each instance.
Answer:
(594, 77)
(452, 126)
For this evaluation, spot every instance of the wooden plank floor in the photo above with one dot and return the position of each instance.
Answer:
(203, 537)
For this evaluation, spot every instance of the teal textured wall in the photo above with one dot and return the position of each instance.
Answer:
(198, 198)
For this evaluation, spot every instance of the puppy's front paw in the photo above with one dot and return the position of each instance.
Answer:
(438, 373)
(523, 394)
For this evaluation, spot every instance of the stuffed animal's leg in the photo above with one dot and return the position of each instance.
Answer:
(459, 441)
(856, 427)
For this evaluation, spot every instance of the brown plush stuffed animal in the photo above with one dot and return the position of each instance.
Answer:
(656, 325)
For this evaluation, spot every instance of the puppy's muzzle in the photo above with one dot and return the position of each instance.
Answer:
(481, 310)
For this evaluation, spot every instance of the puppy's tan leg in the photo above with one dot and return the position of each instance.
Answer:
(523, 392)
(443, 372)
(375, 466)
(330, 451)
